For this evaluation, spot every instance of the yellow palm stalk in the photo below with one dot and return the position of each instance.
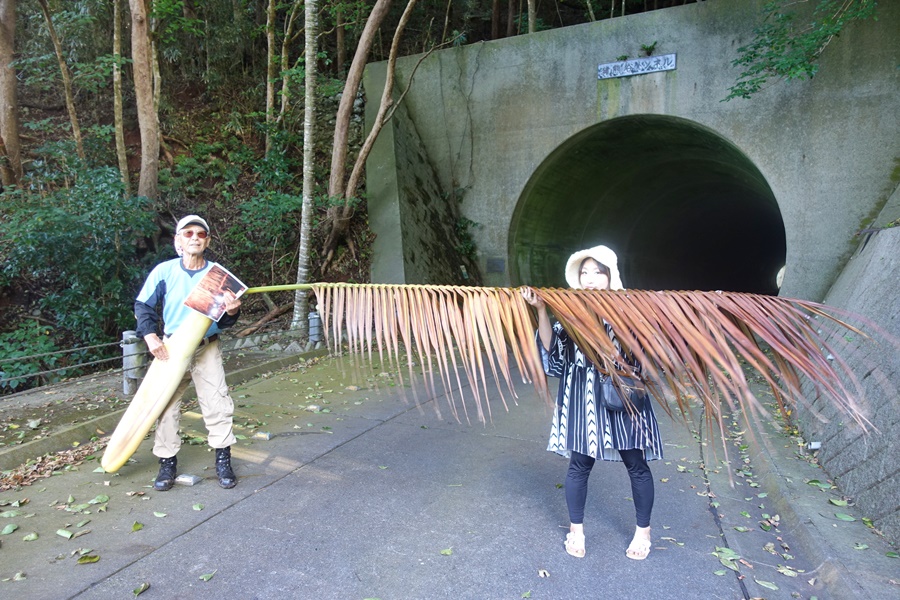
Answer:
(155, 392)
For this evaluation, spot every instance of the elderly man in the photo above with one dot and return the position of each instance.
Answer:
(168, 285)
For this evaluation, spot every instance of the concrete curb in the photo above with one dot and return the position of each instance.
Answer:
(64, 439)
(784, 476)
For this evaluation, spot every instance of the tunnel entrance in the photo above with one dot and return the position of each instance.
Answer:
(682, 207)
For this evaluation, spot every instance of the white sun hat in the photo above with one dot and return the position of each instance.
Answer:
(603, 255)
(191, 220)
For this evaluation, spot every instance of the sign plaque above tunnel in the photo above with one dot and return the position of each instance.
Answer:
(636, 66)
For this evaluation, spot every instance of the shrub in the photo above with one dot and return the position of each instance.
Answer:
(82, 245)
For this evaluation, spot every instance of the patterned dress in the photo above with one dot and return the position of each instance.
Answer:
(580, 424)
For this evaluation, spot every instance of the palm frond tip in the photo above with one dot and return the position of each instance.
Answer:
(692, 344)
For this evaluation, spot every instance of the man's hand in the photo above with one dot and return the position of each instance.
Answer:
(156, 346)
(232, 303)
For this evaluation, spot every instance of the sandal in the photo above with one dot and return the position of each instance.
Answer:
(639, 549)
(575, 544)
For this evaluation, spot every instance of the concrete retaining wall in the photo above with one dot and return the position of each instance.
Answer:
(489, 114)
(417, 219)
(865, 466)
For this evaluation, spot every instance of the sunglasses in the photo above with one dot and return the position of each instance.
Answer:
(189, 234)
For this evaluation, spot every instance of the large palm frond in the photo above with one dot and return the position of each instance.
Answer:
(692, 344)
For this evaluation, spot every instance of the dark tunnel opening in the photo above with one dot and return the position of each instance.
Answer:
(682, 207)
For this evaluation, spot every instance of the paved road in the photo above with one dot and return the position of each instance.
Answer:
(374, 496)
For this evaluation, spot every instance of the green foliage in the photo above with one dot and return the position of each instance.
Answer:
(326, 201)
(466, 246)
(328, 87)
(269, 228)
(269, 222)
(80, 245)
(39, 72)
(522, 23)
(782, 49)
(18, 355)
(171, 16)
(209, 168)
(95, 75)
(648, 49)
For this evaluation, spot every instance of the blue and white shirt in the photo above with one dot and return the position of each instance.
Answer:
(169, 284)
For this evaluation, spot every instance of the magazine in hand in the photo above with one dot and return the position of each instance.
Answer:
(208, 296)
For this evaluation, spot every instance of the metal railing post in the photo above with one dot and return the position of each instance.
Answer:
(134, 361)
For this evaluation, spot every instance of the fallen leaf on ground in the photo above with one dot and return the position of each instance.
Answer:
(141, 588)
(844, 517)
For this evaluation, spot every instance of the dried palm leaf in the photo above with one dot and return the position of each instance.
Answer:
(691, 344)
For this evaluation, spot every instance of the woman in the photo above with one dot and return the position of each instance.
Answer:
(576, 431)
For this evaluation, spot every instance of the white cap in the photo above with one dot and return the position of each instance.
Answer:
(191, 220)
(602, 255)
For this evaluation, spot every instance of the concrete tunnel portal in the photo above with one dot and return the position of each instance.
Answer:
(683, 208)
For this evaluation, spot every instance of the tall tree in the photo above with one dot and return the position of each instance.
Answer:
(384, 107)
(66, 79)
(10, 169)
(337, 214)
(532, 15)
(117, 97)
(301, 298)
(286, 42)
(271, 70)
(340, 50)
(148, 118)
(495, 20)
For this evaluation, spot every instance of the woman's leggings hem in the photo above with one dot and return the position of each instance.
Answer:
(642, 489)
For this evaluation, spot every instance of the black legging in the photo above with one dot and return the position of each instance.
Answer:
(580, 466)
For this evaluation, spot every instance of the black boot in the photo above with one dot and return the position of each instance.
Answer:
(166, 478)
(223, 468)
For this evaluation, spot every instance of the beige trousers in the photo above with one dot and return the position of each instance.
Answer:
(216, 405)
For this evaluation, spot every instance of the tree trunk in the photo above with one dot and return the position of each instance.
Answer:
(117, 97)
(336, 184)
(341, 215)
(285, 61)
(143, 91)
(66, 78)
(532, 15)
(301, 298)
(495, 20)
(154, 69)
(345, 108)
(270, 72)
(383, 107)
(341, 47)
(511, 18)
(11, 169)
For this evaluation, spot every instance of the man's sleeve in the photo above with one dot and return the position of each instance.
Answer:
(227, 320)
(145, 308)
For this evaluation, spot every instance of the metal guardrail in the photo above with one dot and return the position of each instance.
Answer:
(136, 358)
